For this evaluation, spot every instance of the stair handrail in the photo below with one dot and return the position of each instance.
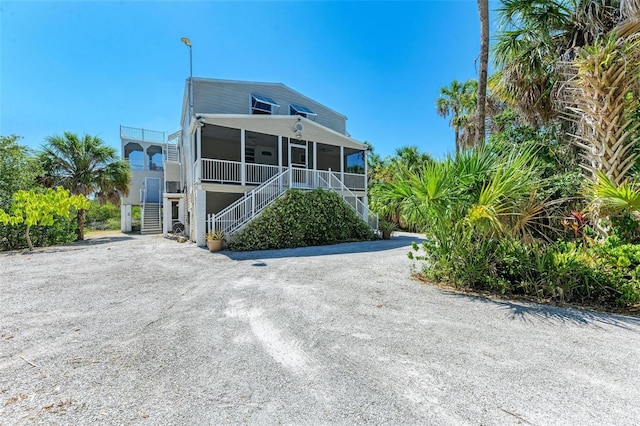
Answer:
(143, 196)
(160, 206)
(235, 215)
(246, 208)
(342, 189)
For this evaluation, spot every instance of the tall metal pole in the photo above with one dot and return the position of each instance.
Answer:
(187, 42)
(190, 81)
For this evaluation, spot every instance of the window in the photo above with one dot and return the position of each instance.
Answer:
(263, 105)
(302, 111)
(134, 154)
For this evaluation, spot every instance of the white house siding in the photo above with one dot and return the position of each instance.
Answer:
(230, 97)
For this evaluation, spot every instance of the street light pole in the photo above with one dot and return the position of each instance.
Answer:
(187, 42)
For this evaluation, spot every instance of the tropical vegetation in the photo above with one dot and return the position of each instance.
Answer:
(40, 192)
(40, 208)
(85, 166)
(549, 206)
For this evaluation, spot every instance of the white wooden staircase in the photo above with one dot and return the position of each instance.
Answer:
(151, 219)
(235, 216)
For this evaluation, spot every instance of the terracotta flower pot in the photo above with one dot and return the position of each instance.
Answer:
(214, 245)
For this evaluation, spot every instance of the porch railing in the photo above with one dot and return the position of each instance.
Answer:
(225, 171)
(258, 173)
(355, 181)
(253, 202)
(331, 181)
(221, 171)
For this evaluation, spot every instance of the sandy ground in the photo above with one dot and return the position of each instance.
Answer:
(142, 330)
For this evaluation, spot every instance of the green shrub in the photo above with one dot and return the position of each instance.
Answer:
(303, 218)
(103, 216)
(625, 227)
(63, 231)
(603, 274)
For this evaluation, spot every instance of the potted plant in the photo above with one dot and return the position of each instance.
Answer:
(214, 240)
(386, 228)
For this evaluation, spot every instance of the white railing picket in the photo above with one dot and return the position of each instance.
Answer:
(253, 202)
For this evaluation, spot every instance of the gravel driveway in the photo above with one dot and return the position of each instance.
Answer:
(143, 330)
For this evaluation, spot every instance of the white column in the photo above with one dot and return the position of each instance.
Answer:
(290, 168)
(315, 164)
(200, 217)
(342, 164)
(315, 155)
(366, 171)
(199, 140)
(198, 136)
(243, 168)
(279, 154)
(166, 216)
(125, 217)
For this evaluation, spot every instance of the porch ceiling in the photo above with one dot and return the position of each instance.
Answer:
(282, 125)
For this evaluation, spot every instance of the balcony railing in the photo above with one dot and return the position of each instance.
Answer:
(145, 135)
(230, 172)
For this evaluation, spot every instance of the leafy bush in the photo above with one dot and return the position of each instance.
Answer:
(63, 231)
(103, 216)
(303, 218)
(626, 227)
(604, 274)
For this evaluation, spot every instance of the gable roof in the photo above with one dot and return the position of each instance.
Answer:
(251, 83)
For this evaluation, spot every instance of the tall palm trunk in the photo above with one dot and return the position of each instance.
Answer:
(483, 10)
(81, 218)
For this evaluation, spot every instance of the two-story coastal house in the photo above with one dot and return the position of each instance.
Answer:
(241, 146)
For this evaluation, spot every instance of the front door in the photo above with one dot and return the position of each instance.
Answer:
(299, 162)
(152, 190)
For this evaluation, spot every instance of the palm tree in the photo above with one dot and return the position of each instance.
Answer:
(84, 166)
(536, 35)
(459, 101)
(483, 10)
(406, 160)
(486, 191)
(603, 94)
(410, 158)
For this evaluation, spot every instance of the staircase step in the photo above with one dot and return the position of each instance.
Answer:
(150, 231)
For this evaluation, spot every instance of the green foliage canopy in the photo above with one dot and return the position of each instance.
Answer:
(18, 169)
(39, 208)
(84, 166)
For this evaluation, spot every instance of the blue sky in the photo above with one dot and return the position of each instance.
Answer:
(88, 67)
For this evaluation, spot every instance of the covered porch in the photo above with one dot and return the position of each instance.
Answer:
(249, 150)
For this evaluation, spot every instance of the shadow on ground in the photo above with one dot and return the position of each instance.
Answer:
(555, 315)
(77, 245)
(343, 248)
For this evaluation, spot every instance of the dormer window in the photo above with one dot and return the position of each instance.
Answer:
(302, 111)
(263, 105)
